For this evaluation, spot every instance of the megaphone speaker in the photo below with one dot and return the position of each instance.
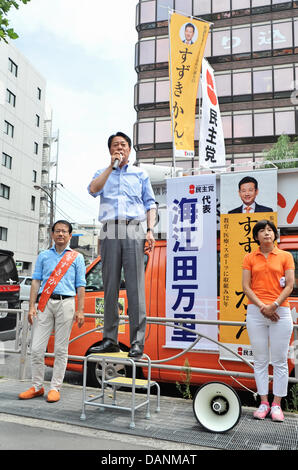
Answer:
(217, 407)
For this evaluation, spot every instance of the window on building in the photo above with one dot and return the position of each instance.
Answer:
(147, 12)
(34, 177)
(162, 9)
(241, 40)
(10, 98)
(36, 148)
(242, 83)
(263, 124)
(12, 67)
(242, 125)
(296, 32)
(244, 4)
(223, 84)
(222, 42)
(261, 37)
(4, 191)
(146, 92)
(145, 133)
(147, 52)
(223, 5)
(282, 36)
(37, 120)
(202, 7)
(284, 122)
(162, 91)
(262, 81)
(227, 126)
(283, 79)
(38, 93)
(6, 160)
(163, 131)
(162, 50)
(260, 3)
(8, 129)
(3, 234)
(184, 6)
(33, 199)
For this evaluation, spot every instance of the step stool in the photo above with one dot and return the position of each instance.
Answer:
(116, 382)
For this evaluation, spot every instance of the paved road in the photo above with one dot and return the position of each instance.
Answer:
(21, 433)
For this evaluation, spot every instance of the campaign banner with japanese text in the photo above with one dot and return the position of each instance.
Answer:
(238, 192)
(191, 284)
(211, 143)
(187, 38)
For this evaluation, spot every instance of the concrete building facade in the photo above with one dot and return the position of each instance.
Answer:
(22, 111)
(252, 46)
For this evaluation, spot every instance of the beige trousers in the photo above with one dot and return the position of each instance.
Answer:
(58, 315)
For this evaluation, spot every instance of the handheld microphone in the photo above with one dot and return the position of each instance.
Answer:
(117, 162)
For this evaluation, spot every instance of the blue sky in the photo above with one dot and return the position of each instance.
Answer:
(85, 51)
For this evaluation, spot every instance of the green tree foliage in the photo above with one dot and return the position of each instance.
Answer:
(5, 30)
(284, 149)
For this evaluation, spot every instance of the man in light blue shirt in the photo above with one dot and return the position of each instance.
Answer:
(126, 200)
(72, 279)
(59, 312)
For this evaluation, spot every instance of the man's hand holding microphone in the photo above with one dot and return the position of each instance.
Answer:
(116, 159)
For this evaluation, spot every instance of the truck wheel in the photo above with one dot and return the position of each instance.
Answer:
(94, 372)
(217, 407)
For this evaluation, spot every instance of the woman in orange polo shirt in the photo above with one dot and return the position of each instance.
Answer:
(268, 280)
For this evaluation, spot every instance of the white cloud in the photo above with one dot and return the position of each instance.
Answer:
(91, 93)
(103, 28)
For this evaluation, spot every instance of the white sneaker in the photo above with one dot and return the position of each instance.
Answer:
(262, 411)
(276, 413)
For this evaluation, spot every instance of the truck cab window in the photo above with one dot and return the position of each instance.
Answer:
(94, 281)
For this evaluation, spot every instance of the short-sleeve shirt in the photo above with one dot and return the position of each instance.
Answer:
(266, 273)
(127, 194)
(73, 278)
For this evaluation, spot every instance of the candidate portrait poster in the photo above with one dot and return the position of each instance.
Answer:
(191, 277)
(187, 39)
(242, 206)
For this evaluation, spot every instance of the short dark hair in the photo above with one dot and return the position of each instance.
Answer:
(64, 222)
(190, 25)
(261, 225)
(119, 134)
(248, 179)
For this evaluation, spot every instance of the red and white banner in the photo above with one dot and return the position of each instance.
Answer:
(211, 144)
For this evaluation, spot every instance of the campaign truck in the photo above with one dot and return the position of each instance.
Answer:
(206, 361)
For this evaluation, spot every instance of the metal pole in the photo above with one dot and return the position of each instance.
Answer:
(172, 98)
(24, 344)
(296, 352)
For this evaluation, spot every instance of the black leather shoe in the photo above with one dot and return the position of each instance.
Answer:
(106, 345)
(136, 351)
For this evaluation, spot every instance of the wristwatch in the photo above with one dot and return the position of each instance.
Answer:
(149, 230)
(276, 303)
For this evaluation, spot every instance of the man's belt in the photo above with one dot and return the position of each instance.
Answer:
(122, 222)
(60, 297)
(56, 297)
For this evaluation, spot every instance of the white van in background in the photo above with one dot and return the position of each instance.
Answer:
(25, 285)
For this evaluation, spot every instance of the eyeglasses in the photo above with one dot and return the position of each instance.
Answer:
(61, 231)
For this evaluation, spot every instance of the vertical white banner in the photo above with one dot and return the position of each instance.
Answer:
(191, 285)
(211, 144)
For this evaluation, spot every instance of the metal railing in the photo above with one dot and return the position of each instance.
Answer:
(23, 342)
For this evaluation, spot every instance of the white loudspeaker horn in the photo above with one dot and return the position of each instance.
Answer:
(217, 407)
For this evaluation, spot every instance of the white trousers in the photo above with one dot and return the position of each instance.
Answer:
(58, 315)
(268, 337)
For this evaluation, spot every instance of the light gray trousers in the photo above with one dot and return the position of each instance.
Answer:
(123, 246)
(58, 315)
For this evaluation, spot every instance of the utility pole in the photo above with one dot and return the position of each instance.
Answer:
(50, 194)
